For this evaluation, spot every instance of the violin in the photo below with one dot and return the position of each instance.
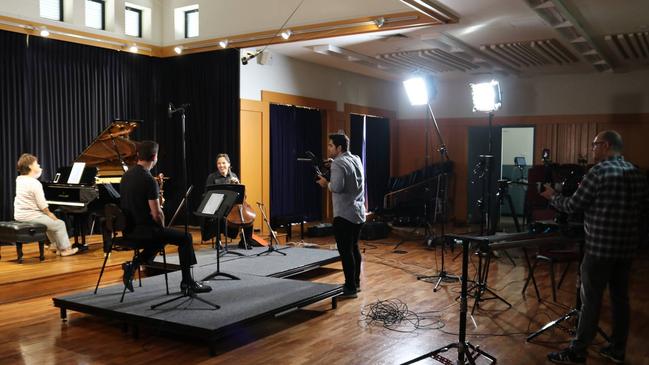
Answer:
(160, 179)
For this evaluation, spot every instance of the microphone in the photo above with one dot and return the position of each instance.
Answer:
(170, 110)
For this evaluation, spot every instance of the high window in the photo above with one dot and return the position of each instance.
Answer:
(96, 14)
(133, 22)
(51, 9)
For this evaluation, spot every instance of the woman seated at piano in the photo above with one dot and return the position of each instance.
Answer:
(30, 205)
(224, 175)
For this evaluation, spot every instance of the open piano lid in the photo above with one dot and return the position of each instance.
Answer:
(102, 152)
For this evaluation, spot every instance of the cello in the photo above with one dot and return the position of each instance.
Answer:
(241, 216)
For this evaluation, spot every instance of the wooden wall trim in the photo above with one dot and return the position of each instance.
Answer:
(33, 28)
(338, 28)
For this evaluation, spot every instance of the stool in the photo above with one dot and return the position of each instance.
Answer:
(17, 233)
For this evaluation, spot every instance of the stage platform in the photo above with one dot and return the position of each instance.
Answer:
(241, 302)
(297, 260)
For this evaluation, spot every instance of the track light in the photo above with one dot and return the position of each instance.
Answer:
(45, 32)
(178, 49)
(286, 34)
(224, 43)
(379, 22)
(133, 48)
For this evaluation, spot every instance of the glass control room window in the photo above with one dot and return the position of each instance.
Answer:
(95, 14)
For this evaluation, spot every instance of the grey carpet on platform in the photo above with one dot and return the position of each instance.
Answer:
(240, 300)
(271, 264)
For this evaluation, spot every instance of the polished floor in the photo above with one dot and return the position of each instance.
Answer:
(32, 333)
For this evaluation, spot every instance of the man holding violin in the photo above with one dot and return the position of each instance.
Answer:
(224, 175)
(140, 202)
(347, 186)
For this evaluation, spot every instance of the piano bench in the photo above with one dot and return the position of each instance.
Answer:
(17, 233)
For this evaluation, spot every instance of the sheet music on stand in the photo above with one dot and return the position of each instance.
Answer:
(76, 173)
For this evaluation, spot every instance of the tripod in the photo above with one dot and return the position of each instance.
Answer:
(466, 352)
(273, 237)
(186, 292)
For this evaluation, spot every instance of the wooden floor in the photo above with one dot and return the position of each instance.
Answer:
(32, 333)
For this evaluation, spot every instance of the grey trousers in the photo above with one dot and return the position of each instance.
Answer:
(596, 275)
(57, 233)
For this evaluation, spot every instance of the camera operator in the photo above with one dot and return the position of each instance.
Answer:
(613, 196)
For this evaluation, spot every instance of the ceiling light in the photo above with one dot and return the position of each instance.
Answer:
(45, 32)
(379, 22)
(133, 48)
(286, 34)
(224, 43)
(178, 49)
(486, 96)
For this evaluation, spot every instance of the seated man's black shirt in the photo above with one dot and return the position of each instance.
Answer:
(137, 187)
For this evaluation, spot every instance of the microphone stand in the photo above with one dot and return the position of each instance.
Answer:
(442, 184)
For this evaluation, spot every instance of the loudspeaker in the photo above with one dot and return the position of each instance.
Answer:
(265, 58)
(375, 231)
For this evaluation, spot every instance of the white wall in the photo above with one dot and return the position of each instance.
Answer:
(607, 93)
(74, 17)
(291, 76)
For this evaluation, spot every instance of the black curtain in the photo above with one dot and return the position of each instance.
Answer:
(293, 191)
(56, 97)
(370, 140)
(209, 83)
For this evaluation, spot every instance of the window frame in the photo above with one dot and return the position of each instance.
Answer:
(187, 12)
(60, 19)
(139, 21)
(103, 13)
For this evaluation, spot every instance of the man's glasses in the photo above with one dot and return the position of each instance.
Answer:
(593, 144)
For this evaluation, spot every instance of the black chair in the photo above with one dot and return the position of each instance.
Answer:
(553, 256)
(114, 222)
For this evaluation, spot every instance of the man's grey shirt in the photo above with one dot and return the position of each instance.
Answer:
(347, 187)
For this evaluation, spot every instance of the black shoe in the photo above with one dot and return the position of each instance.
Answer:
(348, 294)
(195, 287)
(609, 353)
(567, 356)
(128, 269)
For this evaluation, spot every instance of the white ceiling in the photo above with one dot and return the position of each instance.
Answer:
(491, 22)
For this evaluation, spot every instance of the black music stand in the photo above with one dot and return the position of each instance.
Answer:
(466, 352)
(217, 204)
(241, 190)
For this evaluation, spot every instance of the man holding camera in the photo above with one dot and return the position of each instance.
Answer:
(614, 197)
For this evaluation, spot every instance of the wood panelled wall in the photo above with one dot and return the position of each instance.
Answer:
(567, 137)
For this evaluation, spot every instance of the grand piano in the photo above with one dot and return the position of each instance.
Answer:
(93, 180)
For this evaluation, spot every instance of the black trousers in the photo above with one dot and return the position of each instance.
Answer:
(347, 234)
(157, 237)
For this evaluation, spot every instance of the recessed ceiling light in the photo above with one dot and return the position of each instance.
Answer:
(286, 34)
(178, 49)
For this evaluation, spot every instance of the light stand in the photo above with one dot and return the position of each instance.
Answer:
(466, 352)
